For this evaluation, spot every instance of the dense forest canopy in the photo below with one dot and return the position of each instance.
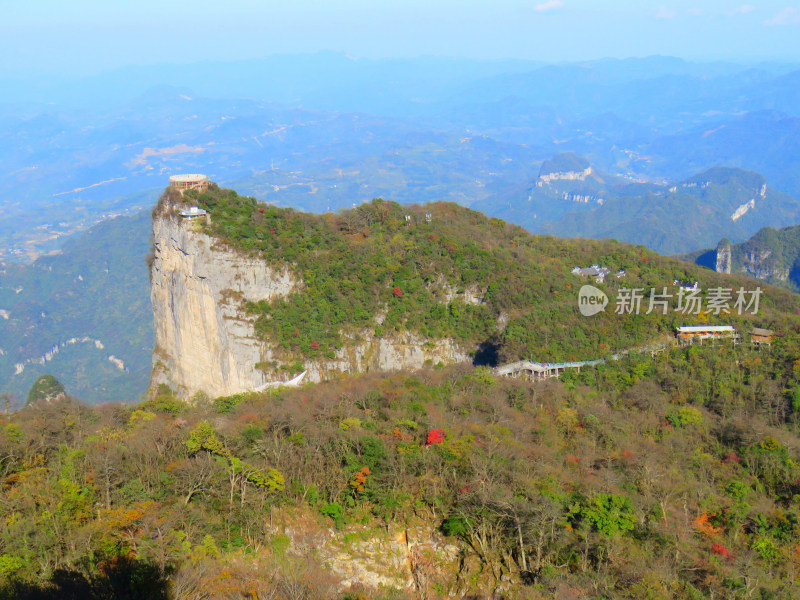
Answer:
(673, 476)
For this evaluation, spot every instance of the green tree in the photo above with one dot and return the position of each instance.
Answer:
(611, 514)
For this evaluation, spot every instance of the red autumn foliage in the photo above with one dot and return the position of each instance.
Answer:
(315, 345)
(732, 457)
(261, 210)
(573, 459)
(272, 230)
(721, 550)
(435, 436)
(397, 292)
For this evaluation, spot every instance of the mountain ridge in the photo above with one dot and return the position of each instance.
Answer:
(379, 287)
(669, 218)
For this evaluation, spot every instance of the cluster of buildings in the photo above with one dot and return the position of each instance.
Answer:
(193, 212)
(190, 181)
(597, 272)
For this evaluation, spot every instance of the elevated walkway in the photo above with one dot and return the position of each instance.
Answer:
(531, 370)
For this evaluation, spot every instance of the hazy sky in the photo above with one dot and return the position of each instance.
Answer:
(86, 36)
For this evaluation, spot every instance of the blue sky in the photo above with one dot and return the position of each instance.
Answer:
(87, 36)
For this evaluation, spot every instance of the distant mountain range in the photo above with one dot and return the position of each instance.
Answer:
(571, 198)
(323, 132)
(767, 142)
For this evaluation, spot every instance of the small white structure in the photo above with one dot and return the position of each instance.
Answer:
(193, 212)
(190, 181)
(687, 286)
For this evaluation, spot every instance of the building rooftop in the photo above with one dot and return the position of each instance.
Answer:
(593, 271)
(762, 332)
(188, 178)
(702, 328)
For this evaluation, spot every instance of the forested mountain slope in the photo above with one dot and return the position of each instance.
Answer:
(666, 477)
(359, 290)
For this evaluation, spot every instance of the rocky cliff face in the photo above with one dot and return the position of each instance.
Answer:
(206, 342)
(761, 264)
(203, 342)
(723, 264)
(416, 559)
(770, 255)
(564, 176)
(756, 262)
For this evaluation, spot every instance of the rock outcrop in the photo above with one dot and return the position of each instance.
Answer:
(205, 340)
(564, 176)
(772, 255)
(723, 263)
(761, 264)
(416, 559)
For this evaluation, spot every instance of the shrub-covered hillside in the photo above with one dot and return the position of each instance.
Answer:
(383, 267)
(669, 477)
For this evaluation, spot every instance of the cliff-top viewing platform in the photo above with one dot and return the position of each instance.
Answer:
(190, 181)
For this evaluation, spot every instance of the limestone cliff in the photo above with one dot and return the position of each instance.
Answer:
(723, 264)
(771, 255)
(206, 342)
(761, 264)
(202, 340)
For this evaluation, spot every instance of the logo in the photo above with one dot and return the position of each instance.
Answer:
(591, 301)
